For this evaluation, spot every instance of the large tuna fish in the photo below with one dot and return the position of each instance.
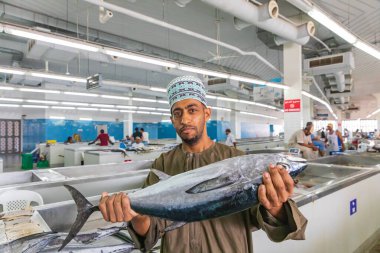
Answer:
(215, 190)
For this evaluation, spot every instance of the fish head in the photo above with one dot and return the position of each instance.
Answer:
(294, 165)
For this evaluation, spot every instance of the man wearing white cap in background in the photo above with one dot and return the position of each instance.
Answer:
(334, 140)
(138, 143)
(276, 214)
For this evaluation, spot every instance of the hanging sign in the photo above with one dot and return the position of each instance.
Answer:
(292, 105)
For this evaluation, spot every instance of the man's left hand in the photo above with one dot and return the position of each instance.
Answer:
(276, 189)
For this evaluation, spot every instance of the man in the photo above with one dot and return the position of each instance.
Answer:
(276, 215)
(334, 141)
(316, 139)
(103, 138)
(230, 141)
(137, 133)
(138, 143)
(145, 136)
(301, 139)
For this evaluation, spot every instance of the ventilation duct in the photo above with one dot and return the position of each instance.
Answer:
(264, 17)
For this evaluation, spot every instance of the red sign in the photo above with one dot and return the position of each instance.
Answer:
(292, 105)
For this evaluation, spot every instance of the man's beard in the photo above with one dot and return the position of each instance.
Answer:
(193, 140)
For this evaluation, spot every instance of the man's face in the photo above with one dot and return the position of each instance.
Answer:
(329, 128)
(307, 132)
(189, 118)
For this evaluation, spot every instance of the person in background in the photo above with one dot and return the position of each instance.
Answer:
(376, 135)
(230, 141)
(138, 143)
(103, 138)
(276, 214)
(77, 138)
(69, 140)
(335, 141)
(316, 139)
(301, 139)
(323, 134)
(145, 136)
(137, 133)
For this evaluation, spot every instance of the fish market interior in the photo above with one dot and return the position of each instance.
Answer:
(190, 126)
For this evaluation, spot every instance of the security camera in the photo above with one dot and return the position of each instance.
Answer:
(104, 15)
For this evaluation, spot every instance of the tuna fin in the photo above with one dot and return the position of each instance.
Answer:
(85, 209)
(212, 184)
(174, 225)
(161, 175)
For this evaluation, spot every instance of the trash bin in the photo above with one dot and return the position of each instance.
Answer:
(43, 164)
(27, 161)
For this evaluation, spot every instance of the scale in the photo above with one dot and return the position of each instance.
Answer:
(295, 152)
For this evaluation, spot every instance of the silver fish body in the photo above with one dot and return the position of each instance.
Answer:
(211, 191)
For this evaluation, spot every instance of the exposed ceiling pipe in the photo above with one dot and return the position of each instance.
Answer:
(151, 20)
(265, 17)
(340, 81)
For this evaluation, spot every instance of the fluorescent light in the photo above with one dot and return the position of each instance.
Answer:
(9, 105)
(276, 85)
(163, 110)
(368, 49)
(35, 106)
(320, 101)
(127, 111)
(247, 102)
(50, 39)
(248, 80)
(211, 97)
(228, 99)
(146, 108)
(6, 88)
(221, 108)
(74, 103)
(140, 58)
(258, 115)
(157, 89)
(40, 90)
(42, 101)
(86, 119)
(102, 105)
(126, 107)
(142, 112)
(162, 101)
(333, 26)
(63, 107)
(144, 99)
(109, 110)
(203, 71)
(115, 97)
(166, 120)
(11, 99)
(81, 94)
(57, 117)
(266, 106)
(11, 71)
(167, 114)
(59, 77)
(87, 109)
(156, 113)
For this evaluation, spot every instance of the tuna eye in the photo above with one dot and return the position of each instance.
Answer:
(285, 165)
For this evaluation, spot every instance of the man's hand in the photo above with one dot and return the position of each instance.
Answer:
(315, 148)
(277, 187)
(117, 208)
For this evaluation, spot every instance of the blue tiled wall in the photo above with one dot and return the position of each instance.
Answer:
(40, 130)
(161, 130)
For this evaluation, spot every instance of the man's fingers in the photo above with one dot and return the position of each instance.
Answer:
(278, 183)
(117, 207)
(270, 190)
(110, 209)
(288, 181)
(263, 197)
(129, 214)
(103, 206)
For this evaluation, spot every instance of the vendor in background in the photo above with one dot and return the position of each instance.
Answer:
(103, 138)
(301, 139)
(77, 138)
(137, 133)
(138, 143)
(317, 140)
(145, 136)
(69, 140)
(335, 141)
(230, 141)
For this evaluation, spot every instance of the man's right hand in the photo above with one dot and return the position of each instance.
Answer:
(117, 208)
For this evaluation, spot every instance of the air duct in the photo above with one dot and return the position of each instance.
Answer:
(265, 17)
(340, 81)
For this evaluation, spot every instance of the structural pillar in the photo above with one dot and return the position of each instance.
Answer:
(293, 120)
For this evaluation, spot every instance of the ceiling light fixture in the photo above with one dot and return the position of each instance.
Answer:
(42, 101)
(115, 97)
(11, 99)
(11, 71)
(85, 119)
(258, 115)
(80, 94)
(203, 71)
(126, 107)
(57, 117)
(142, 112)
(9, 105)
(6, 88)
(368, 49)
(127, 111)
(102, 105)
(74, 103)
(63, 107)
(87, 109)
(147, 108)
(36, 106)
(157, 89)
(109, 110)
(144, 100)
(59, 77)
(40, 91)
(320, 101)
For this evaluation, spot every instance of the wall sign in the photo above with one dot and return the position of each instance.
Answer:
(292, 105)
(353, 207)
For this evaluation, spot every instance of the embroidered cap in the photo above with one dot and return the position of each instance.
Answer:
(185, 87)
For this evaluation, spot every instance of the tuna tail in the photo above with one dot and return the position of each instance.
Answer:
(85, 209)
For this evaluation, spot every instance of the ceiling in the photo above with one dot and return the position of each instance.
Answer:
(71, 16)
